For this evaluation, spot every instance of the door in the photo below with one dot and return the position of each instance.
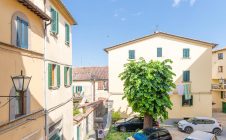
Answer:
(224, 107)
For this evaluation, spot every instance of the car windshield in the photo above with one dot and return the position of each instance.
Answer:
(190, 120)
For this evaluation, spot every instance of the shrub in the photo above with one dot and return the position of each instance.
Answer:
(116, 116)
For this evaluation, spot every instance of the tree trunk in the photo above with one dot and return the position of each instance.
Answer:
(148, 121)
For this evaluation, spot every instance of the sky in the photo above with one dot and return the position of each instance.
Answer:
(104, 23)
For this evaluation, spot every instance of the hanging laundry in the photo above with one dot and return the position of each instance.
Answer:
(187, 91)
(180, 89)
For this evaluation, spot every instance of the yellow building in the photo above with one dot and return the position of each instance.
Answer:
(219, 80)
(21, 48)
(33, 34)
(191, 64)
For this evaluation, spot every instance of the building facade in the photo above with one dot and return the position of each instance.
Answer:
(219, 80)
(86, 79)
(191, 64)
(58, 71)
(36, 39)
(22, 49)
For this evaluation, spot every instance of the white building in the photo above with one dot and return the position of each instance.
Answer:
(191, 64)
(58, 71)
(86, 79)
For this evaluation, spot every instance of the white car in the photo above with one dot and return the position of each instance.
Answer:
(200, 135)
(200, 123)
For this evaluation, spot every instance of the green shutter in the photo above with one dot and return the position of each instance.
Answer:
(70, 76)
(131, 54)
(183, 100)
(67, 34)
(191, 101)
(186, 76)
(73, 88)
(186, 53)
(65, 76)
(57, 22)
(54, 21)
(159, 52)
(58, 75)
(49, 75)
(76, 89)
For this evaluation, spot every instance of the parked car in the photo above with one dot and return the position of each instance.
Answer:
(152, 134)
(131, 124)
(200, 135)
(200, 123)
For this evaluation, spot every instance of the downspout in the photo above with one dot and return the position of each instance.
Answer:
(45, 90)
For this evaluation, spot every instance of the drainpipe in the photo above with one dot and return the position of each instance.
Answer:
(45, 83)
(94, 90)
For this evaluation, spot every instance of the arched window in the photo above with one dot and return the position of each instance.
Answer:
(20, 30)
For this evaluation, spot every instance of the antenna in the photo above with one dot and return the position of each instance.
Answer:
(156, 28)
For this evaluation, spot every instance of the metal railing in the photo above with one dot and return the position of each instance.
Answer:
(218, 86)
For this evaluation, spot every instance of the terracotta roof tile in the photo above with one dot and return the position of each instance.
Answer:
(89, 73)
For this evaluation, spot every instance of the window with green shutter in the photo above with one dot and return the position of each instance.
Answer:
(67, 34)
(50, 76)
(186, 76)
(78, 89)
(70, 74)
(55, 21)
(131, 54)
(188, 102)
(159, 52)
(65, 76)
(186, 53)
(58, 76)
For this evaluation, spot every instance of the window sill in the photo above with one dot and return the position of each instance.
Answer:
(67, 86)
(54, 35)
(67, 44)
(54, 88)
(185, 58)
(131, 59)
(187, 105)
(189, 82)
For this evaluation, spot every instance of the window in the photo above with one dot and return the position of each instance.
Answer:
(223, 94)
(220, 69)
(55, 21)
(67, 34)
(220, 56)
(159, 52)
(186, 76)
(67, 76)
(209, 121)
(131, 54)
(78, 89)
(100, 85)
(53, 76)
(188, 102)
(186, 53)
(19, 104)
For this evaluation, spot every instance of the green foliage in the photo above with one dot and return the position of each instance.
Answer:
(76, 112)
(116, 116)
(115, 135)
(146, 87)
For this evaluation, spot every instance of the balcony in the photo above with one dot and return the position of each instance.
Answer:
(219, 87)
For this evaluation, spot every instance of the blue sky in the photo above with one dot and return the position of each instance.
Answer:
(104, 23)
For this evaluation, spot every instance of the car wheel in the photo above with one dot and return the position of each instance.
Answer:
(123, 129)
(188, 129)
(217, 131)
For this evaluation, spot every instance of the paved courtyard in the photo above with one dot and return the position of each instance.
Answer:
(177, 135)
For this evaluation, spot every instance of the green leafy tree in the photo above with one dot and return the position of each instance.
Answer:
(146, 88)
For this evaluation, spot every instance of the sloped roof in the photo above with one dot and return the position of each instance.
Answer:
(163, 35)
(219, 49)
(89, 73)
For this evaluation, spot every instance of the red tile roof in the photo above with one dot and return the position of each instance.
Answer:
(89, 73)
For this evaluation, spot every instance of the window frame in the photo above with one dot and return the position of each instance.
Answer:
(187, 77)
(55, 33)
(186, 53)
(67, 76)
(159, 52)
(132, 55)
(220, 69)
(220, 56)
(188, 102)
(67, 34)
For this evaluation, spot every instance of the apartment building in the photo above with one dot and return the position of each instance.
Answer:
(58, 71)
(219, 80)
(36, 64)
(191, 64)
(22, 50)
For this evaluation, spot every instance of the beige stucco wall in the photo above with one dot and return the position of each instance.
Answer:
(199, 65)
(57, 52)
(216, 63)
(87, 88)
(13, 60)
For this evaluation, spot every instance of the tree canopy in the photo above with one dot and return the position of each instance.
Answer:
(146, 87)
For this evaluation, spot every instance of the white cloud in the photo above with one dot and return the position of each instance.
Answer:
(177, 2)
(138, 13)
(123, 19)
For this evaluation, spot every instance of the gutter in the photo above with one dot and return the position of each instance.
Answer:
(44, 77)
